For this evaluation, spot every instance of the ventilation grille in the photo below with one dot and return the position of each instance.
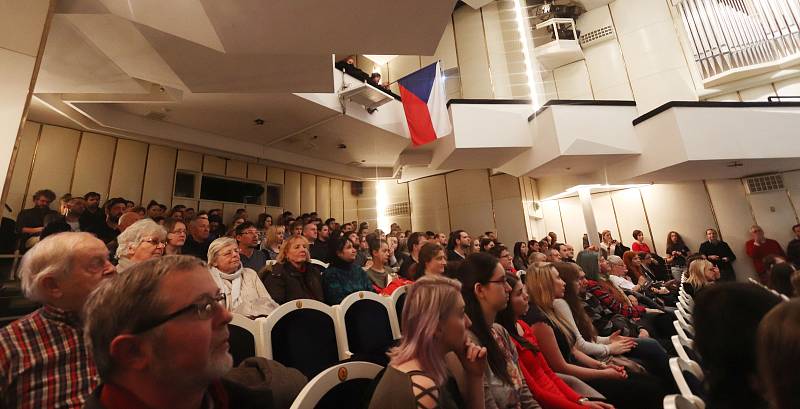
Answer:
(398, 209)
(596, 36)
(766, 183)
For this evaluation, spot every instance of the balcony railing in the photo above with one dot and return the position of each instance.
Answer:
(739, 36)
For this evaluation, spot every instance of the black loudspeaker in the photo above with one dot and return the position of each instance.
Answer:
(356, 188)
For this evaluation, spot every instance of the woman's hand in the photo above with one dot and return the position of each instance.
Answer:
(615, 336)
(621, 346)
(597, 405)
(653, 311)
(473, 359)
(611, 373)
(633, 299)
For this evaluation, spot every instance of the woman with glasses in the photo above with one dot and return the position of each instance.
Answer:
(143, 240)
(176, 236)
(485, 292)
(244, 292)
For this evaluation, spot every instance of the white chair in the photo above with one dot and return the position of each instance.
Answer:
(685, 315)
(302, 334)
(320, 388)
(398, 300)
(241, 345)
(679, 329)
(679, 402)
(363, 328)
(678, 366)
(689, 328)
(681, 344)
(320, 263)
(687, 304)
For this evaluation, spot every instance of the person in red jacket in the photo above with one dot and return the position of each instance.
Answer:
(759, 247)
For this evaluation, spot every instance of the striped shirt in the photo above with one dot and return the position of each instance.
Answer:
(612, 303)
(44, 362)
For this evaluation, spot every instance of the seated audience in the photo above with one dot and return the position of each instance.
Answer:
(536, 257)
(458, 245)
(274, 241)
(244, 292)
(485, 293)
(153, 210)
(384, 280)
(677, 252)
(69, 221)
(566, 252)
(726, 319)
(547, 388)
(250, 253)
(125, 221)
(176, 236)
(793, 248)
(319, 247)
(215, 226)
(778, 354)
(198, 240)
(171, 351)
(44, 362)
(143, 240)
(639, 245)
(30, 222)
(109, 230)
(720, 254)
(343, 277)
(475, 247)
(415, 242)
(294, 276)
(609, 246)
(434, 324)
(759, 247)
(622, 388)
(486, 244)
(263, 222)
(520, 255)
(501, 253)
(296, 228)
(93, 215)
(780, 279)
(553, 255)
(431, 261)
(702, 273)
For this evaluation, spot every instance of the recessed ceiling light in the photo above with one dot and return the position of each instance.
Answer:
(258, 121)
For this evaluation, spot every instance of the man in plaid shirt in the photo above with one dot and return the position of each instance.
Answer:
(44, 362)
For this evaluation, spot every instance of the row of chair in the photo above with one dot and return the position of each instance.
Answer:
(685, 368)
(311, 336)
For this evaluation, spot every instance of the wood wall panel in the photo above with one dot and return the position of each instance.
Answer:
(95, 156)
(159, 177)
(54, 163)
(18, 198)
(291, 191)
(128, 173)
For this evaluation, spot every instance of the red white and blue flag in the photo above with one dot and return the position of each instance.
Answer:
(424, 102)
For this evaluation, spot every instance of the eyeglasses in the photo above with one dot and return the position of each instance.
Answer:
(498, 281)
(203, 310)
(154, 242)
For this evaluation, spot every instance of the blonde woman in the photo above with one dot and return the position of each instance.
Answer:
(274, 241)
(557, 343)
(701, 273)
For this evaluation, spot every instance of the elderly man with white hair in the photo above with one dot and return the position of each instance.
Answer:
(44, 362)
(143, 240)
(244, 292)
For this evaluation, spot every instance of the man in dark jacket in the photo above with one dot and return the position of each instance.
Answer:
(720, 254)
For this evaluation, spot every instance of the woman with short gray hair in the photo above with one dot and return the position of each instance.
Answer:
(244, 292)
(141, 241)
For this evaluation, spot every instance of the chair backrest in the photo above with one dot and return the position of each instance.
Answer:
(399, 301)
(369, 323)
(688, 376)
(680, 402)
(320, 263)
(684, 306)
(685, 315)
(302, 334)
(689, 328)
(341, 386)
(246, 338)
(679, 329)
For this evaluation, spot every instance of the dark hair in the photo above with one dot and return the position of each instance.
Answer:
(178, 208)
(479, 268)
(780, 278)
(336, 244)
(508, 319)
(636, 233)
(413, 239)
(163, 207)
(169, 223)
(426, 254)
(261, 222)
(329, 221)
(669, 241)
(91, 194)
(726, 317)
(778, 353)
(484, 242)
(497, 250)
(570, 272)
(113, 202)
(374, 243)
(518, 250)
(242, 227)
(47, 193)
(454, 237)
(795, 226)
(770, 261)
(151, 204)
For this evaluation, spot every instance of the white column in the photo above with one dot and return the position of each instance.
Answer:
(23, 26)
(585, 194)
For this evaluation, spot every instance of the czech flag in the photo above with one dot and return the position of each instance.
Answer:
(424, 104)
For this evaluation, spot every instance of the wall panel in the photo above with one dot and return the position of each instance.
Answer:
(508, 210)
(572, 81)
(774, 213)
(291, 191)
(323, 200)
(397, 193)
(552, 218)
(308, 195)
(470, 201)
(734, 218)
(350, 202)
(605, 219)
(188, 160)
(18, 198)
(275, 175)
(256, 172)
(192, 203)
(445, 51)
(214, 165)
(367, 205)
(428, 202)
(159, 176)
(631, 216)
(128, 173)
(54, 163)
(337, 200)
(473, 62)
(572, 218)
(667, 206)
(236, 169)
(95, 156)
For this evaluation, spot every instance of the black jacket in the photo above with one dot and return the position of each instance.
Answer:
(285, 283)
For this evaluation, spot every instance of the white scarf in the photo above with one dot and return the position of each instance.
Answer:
(235, 280)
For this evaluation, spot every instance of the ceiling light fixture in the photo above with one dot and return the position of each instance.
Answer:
(258, 121)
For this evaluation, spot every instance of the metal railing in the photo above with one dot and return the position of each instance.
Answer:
(727, 35)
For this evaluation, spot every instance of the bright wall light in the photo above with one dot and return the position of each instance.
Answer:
(573, 191)
(382, 204)
(523, 30)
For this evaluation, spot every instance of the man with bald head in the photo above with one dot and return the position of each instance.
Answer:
(44, 362)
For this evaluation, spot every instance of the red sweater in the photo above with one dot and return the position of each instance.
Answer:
(547, 388)
(640, 247)
(759, 252)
